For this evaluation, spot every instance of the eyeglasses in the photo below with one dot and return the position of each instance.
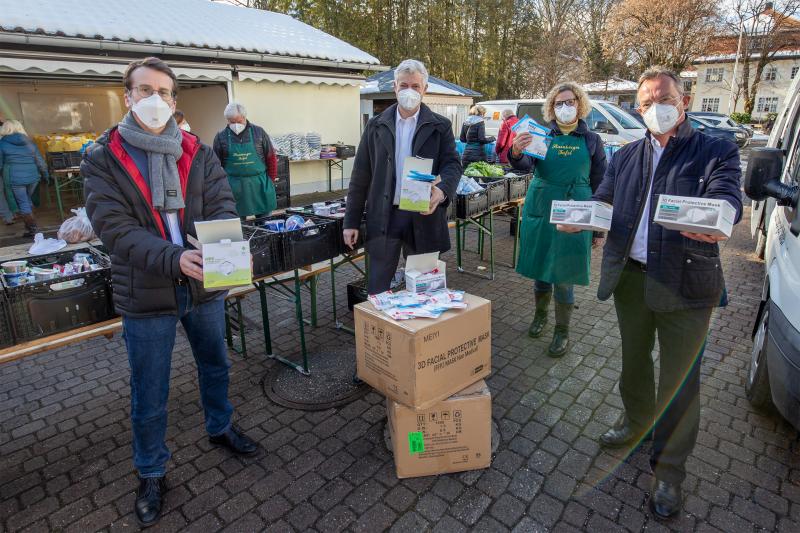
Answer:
(569, 103)
(665, 100)
(146, 92)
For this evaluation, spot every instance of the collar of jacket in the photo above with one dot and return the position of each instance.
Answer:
(685, 131)
(426, 116)
(581, 129)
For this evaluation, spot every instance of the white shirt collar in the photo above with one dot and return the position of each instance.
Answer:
(655, 143)
(413, 118)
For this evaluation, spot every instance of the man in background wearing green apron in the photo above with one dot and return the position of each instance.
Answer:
(248, 157)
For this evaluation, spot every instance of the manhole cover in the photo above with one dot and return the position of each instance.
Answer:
(329, 385)
(387, 438)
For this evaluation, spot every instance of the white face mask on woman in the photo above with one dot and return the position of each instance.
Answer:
(236, 128)
(566, 114)
(153, 111)
(409, 99)
(661, 118)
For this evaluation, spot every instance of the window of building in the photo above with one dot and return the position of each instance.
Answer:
(771, 74)
(714, 74)
(767, 104)
(794, 71)
(709, 105)
(687, 86)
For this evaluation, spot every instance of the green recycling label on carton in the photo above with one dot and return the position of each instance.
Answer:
(416, 442)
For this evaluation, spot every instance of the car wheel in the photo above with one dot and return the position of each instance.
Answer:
(757, 384)
(761, 245)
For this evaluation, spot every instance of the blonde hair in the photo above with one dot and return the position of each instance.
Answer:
(582, 105)
(11, 126)
(477, 110)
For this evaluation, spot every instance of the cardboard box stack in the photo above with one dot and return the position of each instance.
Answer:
(431, 372)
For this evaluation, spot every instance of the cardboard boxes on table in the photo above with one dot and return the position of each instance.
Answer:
(431, 372)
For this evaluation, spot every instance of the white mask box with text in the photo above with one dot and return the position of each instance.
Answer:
(695, 215)
(587, 215)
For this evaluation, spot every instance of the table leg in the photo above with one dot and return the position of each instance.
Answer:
(298, 304)
(58, 196)
(313, 283)
(458, 245)
(262, 292)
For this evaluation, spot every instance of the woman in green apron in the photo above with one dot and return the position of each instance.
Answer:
(247, 174)
(572, 168)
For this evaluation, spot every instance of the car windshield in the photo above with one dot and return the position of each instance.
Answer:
(622, 116)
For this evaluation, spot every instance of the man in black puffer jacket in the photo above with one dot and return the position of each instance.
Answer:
(147, 182)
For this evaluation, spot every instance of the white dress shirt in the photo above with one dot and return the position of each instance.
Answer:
(174, 228)
(404, 129)
(639, 248)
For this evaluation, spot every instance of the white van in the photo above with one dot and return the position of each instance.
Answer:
(613, 123)
(772, 180)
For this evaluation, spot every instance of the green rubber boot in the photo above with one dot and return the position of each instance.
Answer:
(540, 315)
(560, 342)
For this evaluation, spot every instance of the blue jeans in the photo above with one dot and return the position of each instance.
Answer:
(23, 195)
(150, 342)
(564, 294)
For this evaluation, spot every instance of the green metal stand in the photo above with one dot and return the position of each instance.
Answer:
(234, 322)
(484, 230)
(347, 259)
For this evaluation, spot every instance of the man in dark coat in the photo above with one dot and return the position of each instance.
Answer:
(664, 282)
(147, 182)
(408, 128)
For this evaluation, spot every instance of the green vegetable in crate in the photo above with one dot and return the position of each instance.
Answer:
(482, 168)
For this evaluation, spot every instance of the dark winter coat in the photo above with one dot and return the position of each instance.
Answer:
(145, 265)
(682, 273)
(372, 182)
(473, 132)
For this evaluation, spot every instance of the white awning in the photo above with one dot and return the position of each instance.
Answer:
(295, 78)
(15, 64)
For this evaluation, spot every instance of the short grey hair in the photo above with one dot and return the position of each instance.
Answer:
(655, 71)
(411, 66)
(507, 113)
(235, 109)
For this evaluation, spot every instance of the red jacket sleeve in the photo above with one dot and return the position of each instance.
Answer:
(502, 137)
(272, 165)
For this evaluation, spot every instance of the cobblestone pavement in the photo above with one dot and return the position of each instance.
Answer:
(65, 458)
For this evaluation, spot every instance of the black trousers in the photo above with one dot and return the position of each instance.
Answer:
(383, 260)
(673, 410)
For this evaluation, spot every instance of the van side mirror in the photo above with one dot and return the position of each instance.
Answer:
(763, 178)
(603, 126)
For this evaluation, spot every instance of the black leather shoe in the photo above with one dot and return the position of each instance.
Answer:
(149, 498)
(236, 441)
(665, 499)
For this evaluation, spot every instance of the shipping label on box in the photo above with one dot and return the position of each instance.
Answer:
(422, 361)
(425, 273)
(588, 215)
(695, 215)
(226, 255)
(451, 436)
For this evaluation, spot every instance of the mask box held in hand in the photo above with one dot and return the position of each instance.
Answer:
(695, 215)
(226, 255)
(454, 435)
(425, 273)
(422, 361)
(541, 137)
(588, 215)
(415, 190)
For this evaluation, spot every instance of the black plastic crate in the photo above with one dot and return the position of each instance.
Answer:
(281, 187)
(357, 290)
(283, 166)
(283, 202)
(58, 160)
(75, 158)
(267, 249)
(469, 205)
(345, 151)
(6, 331)
(306, 210)
(518, 186)
(495, 190)
(308, 245)
(45, 308)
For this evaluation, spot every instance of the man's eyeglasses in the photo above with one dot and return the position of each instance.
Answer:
(146, 91)
(561, 103)
(669, 100)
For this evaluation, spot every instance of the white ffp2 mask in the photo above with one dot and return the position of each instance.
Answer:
(409, 99)
(236, 128)
(661, 118)
(153, 111)
(566, 114)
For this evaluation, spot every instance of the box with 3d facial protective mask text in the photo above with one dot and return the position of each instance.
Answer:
(451, 436)
(587, 215)
(695, 215)
(226, 255)
(422, 361)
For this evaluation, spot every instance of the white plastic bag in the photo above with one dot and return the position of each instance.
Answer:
(76, 229)
(42, 246)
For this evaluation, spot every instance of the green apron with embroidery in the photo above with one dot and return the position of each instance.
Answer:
(247, 174)
(547, 254)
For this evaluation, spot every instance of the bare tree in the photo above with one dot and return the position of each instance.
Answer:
(589, 21)
(663, 32)
(760, 30)
(557, 52)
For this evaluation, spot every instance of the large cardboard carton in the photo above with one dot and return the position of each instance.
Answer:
(588, 215)
(423, 361)
(452, 436)
(695, 215)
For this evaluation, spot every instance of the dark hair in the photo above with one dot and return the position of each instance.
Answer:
(178, 115)
(153, 63)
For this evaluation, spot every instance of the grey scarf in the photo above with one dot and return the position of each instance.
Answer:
(163, 152)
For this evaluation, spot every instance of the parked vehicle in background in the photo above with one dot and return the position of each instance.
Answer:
(610, 121)
(734, 134)
(721, 119)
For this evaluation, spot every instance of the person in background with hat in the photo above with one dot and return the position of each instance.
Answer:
(247, 154)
